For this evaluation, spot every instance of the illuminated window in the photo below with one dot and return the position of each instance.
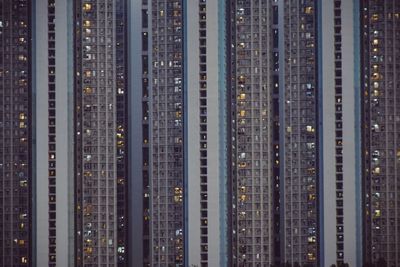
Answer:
(377, 213)
(376, 76)
(374, 17)
(22, 58)
(377, 170)
(311, 256)
(310, 129)
(241, 79)
(308, 10)
(87, 90)
(87, 7)
(311, 239)
(86, 23)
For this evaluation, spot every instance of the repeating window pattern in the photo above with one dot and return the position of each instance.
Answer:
(251, 87)
(167, 134)
(52, 129)
(100, 124)
(275, 119)
(15, 133)
(121, 118)
(300, 133)
(203, 133)
(380, 67)
(338, 132)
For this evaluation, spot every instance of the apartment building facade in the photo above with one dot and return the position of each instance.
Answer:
(252, 104)
(380, 119)
(300, 141)
(100, 133)
(16, 135)
(177, 93)
(252, 132)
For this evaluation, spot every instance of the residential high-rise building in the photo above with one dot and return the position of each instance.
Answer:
(199, 133)
(166, 133)
(158, 132)
(178, 99)
(285, 62)
(100, 133)
(299, 126)
(252, 44)
(380, 58)
(16, 134)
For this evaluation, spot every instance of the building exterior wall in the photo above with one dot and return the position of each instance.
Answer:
(166, 134)
(139, 56)
(351, 141)
(380, 51)
(100, 133)
(196, 119)
(289, 142)
(53, 131)
(179, 173)
(338, 94)
(203, 122)
(251, 91)
(16, 124)
(300, 143)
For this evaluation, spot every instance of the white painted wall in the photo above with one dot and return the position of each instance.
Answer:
(64, 176)
(193, 130)
(41, 66)
(349, 160)
(349, 164)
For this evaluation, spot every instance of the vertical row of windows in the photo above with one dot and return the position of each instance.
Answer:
(52, 130)
(146, 134)
(203, 132)
(366, 134)
(15, 133)
(78, 95)
(121, 127)
(338, 131)
(231, 137)
(275, 132)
